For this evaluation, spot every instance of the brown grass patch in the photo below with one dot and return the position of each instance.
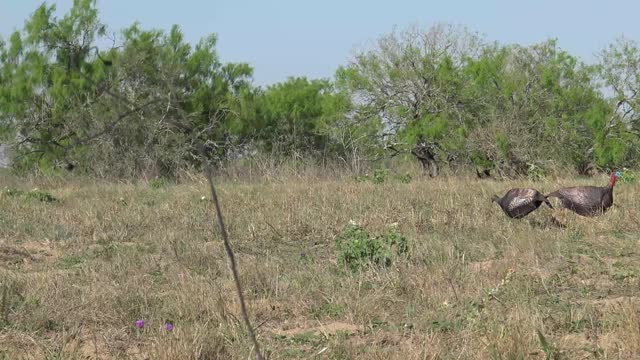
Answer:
(75, 275)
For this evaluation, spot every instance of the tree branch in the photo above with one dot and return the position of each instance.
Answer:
(209, 174)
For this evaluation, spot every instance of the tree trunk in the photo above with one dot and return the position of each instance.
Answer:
(426, 155)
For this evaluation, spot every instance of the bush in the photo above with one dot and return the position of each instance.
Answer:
(628, 176)
(39, 195)
(14, 192)
(34, 194)
(157, 183)
(535, 172)
(405, 179)
(380, 175)
(357, 249)
(393, 237)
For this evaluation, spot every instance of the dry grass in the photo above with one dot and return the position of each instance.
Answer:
(76, 274)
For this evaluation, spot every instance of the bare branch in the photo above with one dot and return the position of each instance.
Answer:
(209, 174)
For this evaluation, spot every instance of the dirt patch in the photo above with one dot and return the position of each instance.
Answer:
(41, 250)
(89, 345)
(137, 354)
(22, 344)
(324, 329)
(11, 255)
(575, 346)
(614, 304)
(488, 265)
(602, 282)
(27, 254)
(380, 339)
(267, 311)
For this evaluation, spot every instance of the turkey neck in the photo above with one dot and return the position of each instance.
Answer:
(612, 182)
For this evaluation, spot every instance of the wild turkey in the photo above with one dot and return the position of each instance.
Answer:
(588, 200)
(518, 203)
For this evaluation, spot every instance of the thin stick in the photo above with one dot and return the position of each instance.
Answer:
(230, 254)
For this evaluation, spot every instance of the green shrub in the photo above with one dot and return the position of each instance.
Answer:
(628, 176)
(157, 183)
(357, 249)
(393, 237)
(380, 175)
(503, 143)
(40, 195)
(361, 178)
(34, 194)
(14, 192)
(535, 172)
(405, 179)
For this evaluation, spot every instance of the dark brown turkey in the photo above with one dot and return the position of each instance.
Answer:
(588, 200)
(518, 203)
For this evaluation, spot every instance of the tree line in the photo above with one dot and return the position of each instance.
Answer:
(75, 96)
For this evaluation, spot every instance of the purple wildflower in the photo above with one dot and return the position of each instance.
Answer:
(168, 326)
(140, 324)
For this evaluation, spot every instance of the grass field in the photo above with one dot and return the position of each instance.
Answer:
(77, 273)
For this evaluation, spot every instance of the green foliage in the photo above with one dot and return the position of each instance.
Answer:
(311, 338)
(619, 68)
(35, 194)
(357, 249)
(502, 141)
(73, 104)
(493, 106)
(550, 350)
(158, 183)
(404, 178)
(40, 195)
(535, 172)
(480, 160)
(432, 127)
(380, 175)
(70, 262)
(14, 192)
(328, 310)
(297, 116)
(134, 109)
(628, 176)
(393, 237)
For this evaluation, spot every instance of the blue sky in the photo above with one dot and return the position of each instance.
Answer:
(282, 38)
